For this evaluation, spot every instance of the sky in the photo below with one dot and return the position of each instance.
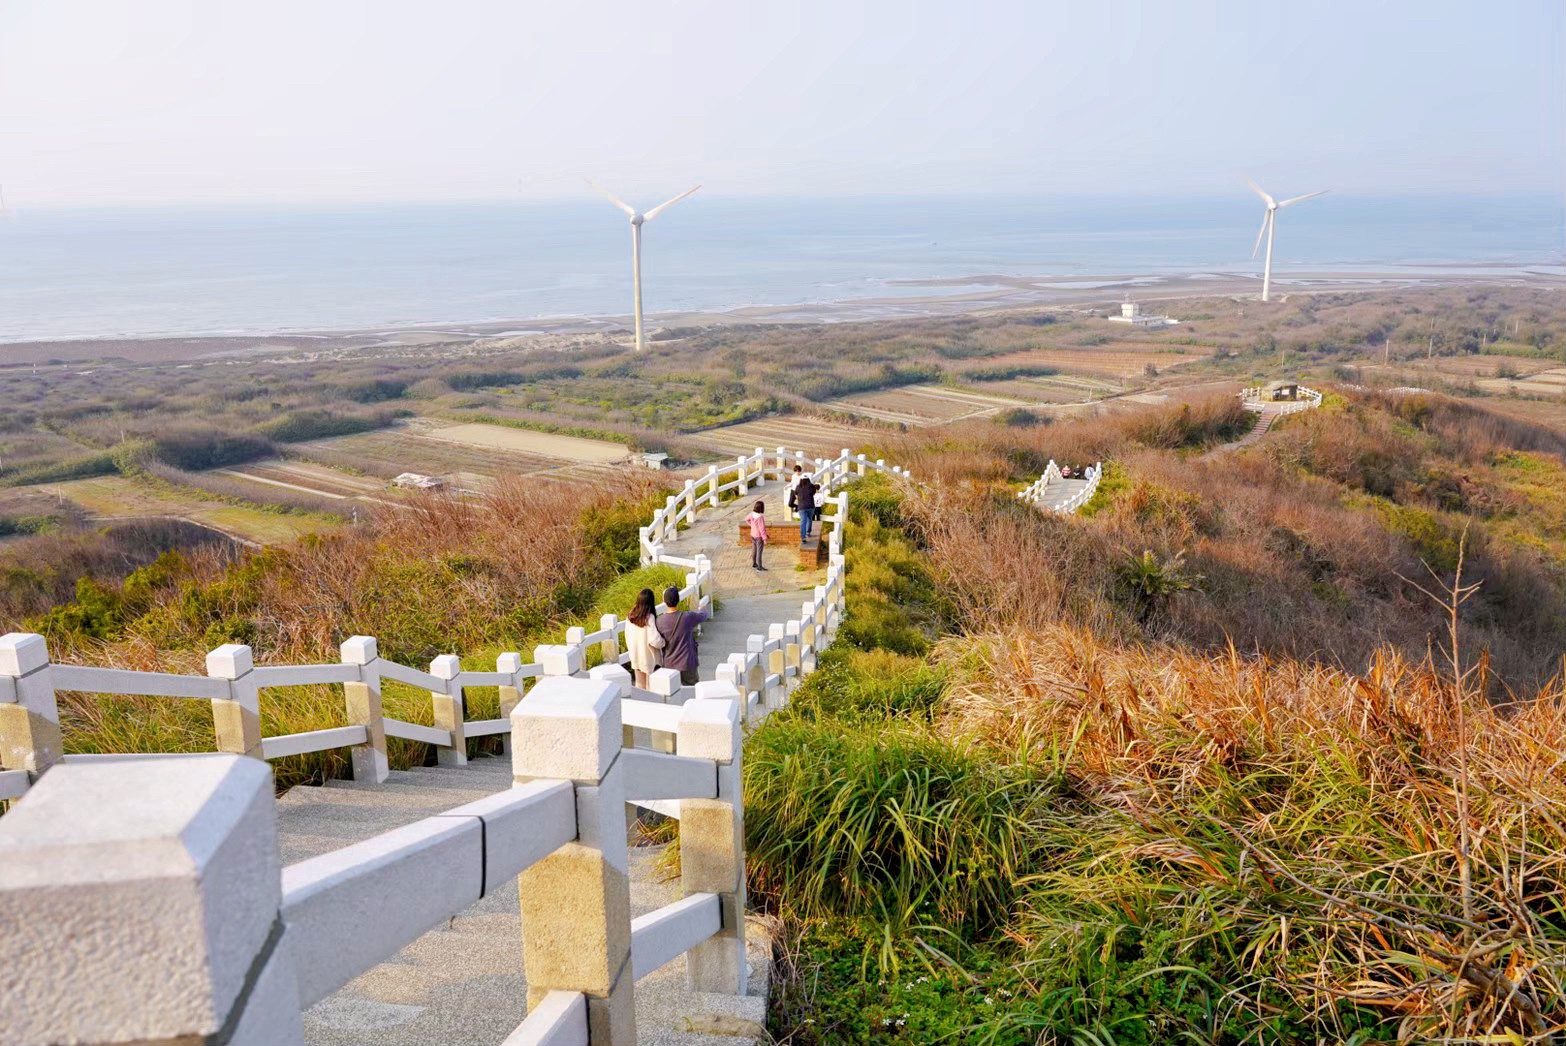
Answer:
(114, 102)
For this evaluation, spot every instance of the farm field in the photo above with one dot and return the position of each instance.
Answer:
(308, 478)
(122, 497)
(816, 436)
(1056, 389)
(385, 453)
(1115, 360)
(1482, 366)
(1550, 382)
(541, 444)
(923, 404)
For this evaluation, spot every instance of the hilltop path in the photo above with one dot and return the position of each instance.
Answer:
(751, 600)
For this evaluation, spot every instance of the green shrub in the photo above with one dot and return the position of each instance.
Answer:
(896, 823)
(869, 684)
(76, 468)
(302, 425)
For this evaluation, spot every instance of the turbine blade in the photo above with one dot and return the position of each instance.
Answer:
(650, 215)
(1297, 199)
(1262, 193)
(627, 208)
(1266, 217)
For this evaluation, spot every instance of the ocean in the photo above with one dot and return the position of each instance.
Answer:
(237, 270)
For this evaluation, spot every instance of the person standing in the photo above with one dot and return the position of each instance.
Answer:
(805, 504)
(642, 638)
(757, 522)
(678, 629)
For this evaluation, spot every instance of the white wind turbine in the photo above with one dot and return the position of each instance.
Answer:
(637, 218)
(1269, 222)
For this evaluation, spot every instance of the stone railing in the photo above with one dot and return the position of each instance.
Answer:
(1253, 397)
(707, 492)
(30, 737)
(145, 897)
(142, 899)
(1035, 494)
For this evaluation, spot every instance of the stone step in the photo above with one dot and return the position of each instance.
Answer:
(476, 768)
(455, 793)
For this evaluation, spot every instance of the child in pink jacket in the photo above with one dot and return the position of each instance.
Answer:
(757, 522)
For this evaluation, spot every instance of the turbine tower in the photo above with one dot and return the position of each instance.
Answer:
(637, 218)
(1269, 222)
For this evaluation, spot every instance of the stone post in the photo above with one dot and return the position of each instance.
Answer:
(363, 700)
(511, 665)
(807, 639)
(712, 486)
(777, 660)
(859, 464)
(782, 463)
(688, 495)
(712, 844)
(644, 542)
(756, 668)
(450, 711)
(29, 718)
(576, 903)
(609, 648)
(744, 482)
(732, 677)
(237, 721)
(792, 650)
(665, 682)
(141, 904)
(821, 609)
(558, 659)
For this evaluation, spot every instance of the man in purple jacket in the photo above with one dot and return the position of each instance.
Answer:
(678, 629)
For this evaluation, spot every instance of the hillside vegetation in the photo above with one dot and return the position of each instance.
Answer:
(1198, 766)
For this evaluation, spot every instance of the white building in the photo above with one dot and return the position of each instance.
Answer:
(1131, 312)
(418, 481)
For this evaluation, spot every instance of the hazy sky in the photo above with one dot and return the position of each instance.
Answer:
(149, 101)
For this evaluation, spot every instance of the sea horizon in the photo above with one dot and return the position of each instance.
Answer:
(217, 270)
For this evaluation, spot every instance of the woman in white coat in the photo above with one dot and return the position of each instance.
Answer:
(642, 638)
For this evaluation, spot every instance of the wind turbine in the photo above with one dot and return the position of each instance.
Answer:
(1269, 222)
(637, 218)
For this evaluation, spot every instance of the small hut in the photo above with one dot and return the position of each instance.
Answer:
(1283, 391)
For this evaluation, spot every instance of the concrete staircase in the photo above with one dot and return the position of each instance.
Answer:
(463, 982)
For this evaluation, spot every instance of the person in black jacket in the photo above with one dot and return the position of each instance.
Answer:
(803, 501)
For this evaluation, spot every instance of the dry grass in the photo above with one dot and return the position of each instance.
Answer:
(1388, 838)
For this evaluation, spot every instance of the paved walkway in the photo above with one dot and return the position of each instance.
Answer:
(1059, 492)
(751, 599)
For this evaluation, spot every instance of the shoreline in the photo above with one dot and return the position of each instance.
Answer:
(965, 294)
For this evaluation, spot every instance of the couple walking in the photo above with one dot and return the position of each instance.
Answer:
(666, 640)
(801, 498)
